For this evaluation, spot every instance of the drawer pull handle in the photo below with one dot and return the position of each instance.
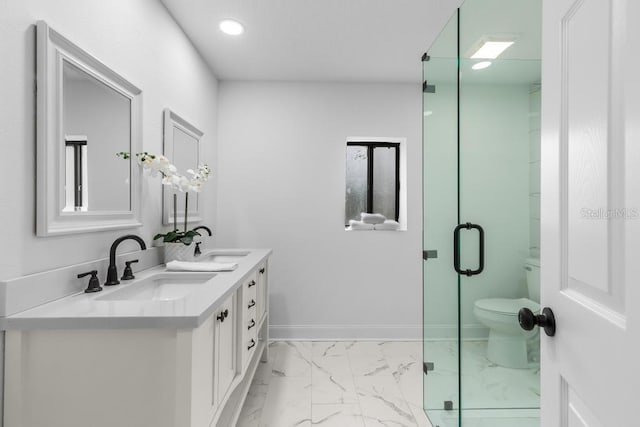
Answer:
(262, 270)
(253, 344)
(223, 315)
(251, 325)
(251, 284)
(252, 303)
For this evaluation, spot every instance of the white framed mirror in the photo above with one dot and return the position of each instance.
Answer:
(182, 147)
(86, 115)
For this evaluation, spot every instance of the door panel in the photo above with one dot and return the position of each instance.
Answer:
(590, 200)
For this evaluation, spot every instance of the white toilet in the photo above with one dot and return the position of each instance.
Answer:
(507, 340)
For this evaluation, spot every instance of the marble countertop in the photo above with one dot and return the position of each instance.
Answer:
(90, 311)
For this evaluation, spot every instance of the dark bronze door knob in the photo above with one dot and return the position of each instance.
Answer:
(546, 320)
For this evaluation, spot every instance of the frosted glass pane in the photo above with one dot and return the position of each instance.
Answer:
(384, 181)
(356, 191)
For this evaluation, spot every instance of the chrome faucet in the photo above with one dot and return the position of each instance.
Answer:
(112, 271)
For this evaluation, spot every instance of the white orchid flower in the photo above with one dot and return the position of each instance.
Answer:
(184, 184)
(170, 170)
(172, 180)
(195, 185)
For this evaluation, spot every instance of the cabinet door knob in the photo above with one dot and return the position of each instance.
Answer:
(252, 303)
(253, 344)
(251, 284)
(262, 270)
(252, 324)
(223, 315)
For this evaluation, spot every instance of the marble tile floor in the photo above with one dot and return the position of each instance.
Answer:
(485, 385)
(337, 384)
(367, 384)
(487, 418)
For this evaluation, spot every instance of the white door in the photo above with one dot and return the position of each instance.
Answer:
(591, 212)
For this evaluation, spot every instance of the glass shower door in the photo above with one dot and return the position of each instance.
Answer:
(481, 183)
(440, 177)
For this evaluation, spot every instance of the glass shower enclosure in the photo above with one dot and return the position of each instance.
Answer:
(481, 183)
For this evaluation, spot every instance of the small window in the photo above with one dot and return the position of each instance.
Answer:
(373, 179)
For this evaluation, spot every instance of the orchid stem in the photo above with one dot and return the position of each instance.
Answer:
(175, 212)
(186, 210)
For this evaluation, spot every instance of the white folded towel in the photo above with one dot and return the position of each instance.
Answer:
(372, 218)
(388, 225)
(359, 225)
(201, 266)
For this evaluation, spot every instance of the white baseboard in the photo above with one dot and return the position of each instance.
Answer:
(346, 332)
(448, 332)
(374, 332)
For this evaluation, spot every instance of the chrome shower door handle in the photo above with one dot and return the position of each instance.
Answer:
(456, 249)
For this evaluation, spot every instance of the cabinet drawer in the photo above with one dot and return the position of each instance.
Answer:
(250, 344)
(250, 311)
(249, 290)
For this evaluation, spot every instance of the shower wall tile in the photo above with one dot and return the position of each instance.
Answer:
(534, 171)
(534, 206)
(534, 121)
(534, 145)
(534, 110)
(534, 178)
(534, 237)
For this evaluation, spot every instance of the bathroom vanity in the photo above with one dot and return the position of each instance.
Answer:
(167, 349)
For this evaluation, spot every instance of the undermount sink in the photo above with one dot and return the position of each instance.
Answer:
(222, 256)
(165, 286)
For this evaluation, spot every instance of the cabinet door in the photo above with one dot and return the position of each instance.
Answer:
(201, 370)
(225, 363)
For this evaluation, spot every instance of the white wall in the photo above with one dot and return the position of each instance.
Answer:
(139, 40)
(282, 185)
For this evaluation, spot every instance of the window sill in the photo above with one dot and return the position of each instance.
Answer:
(379, 231)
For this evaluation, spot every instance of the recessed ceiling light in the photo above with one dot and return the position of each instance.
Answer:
(491, 49)
(231, 27)
(481, 65)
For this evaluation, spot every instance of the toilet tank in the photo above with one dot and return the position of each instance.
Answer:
(532, 273)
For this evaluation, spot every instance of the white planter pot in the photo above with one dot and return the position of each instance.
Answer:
(178, 252)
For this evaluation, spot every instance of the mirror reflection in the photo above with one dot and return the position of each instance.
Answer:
(182, 146)
(96, 126)
(185, 156)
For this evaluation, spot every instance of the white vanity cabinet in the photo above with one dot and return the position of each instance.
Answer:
(140, 377)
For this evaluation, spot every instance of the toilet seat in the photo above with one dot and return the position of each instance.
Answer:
(507, 306)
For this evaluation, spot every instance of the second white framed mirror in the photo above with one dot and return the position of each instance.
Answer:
(182, 147)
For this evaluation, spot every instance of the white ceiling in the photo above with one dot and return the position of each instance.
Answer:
(315, 40)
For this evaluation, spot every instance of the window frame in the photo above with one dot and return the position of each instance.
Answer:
(371, 146)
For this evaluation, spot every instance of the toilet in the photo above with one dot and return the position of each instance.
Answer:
(507, 340)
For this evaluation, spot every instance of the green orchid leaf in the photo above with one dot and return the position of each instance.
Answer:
(171, 236)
